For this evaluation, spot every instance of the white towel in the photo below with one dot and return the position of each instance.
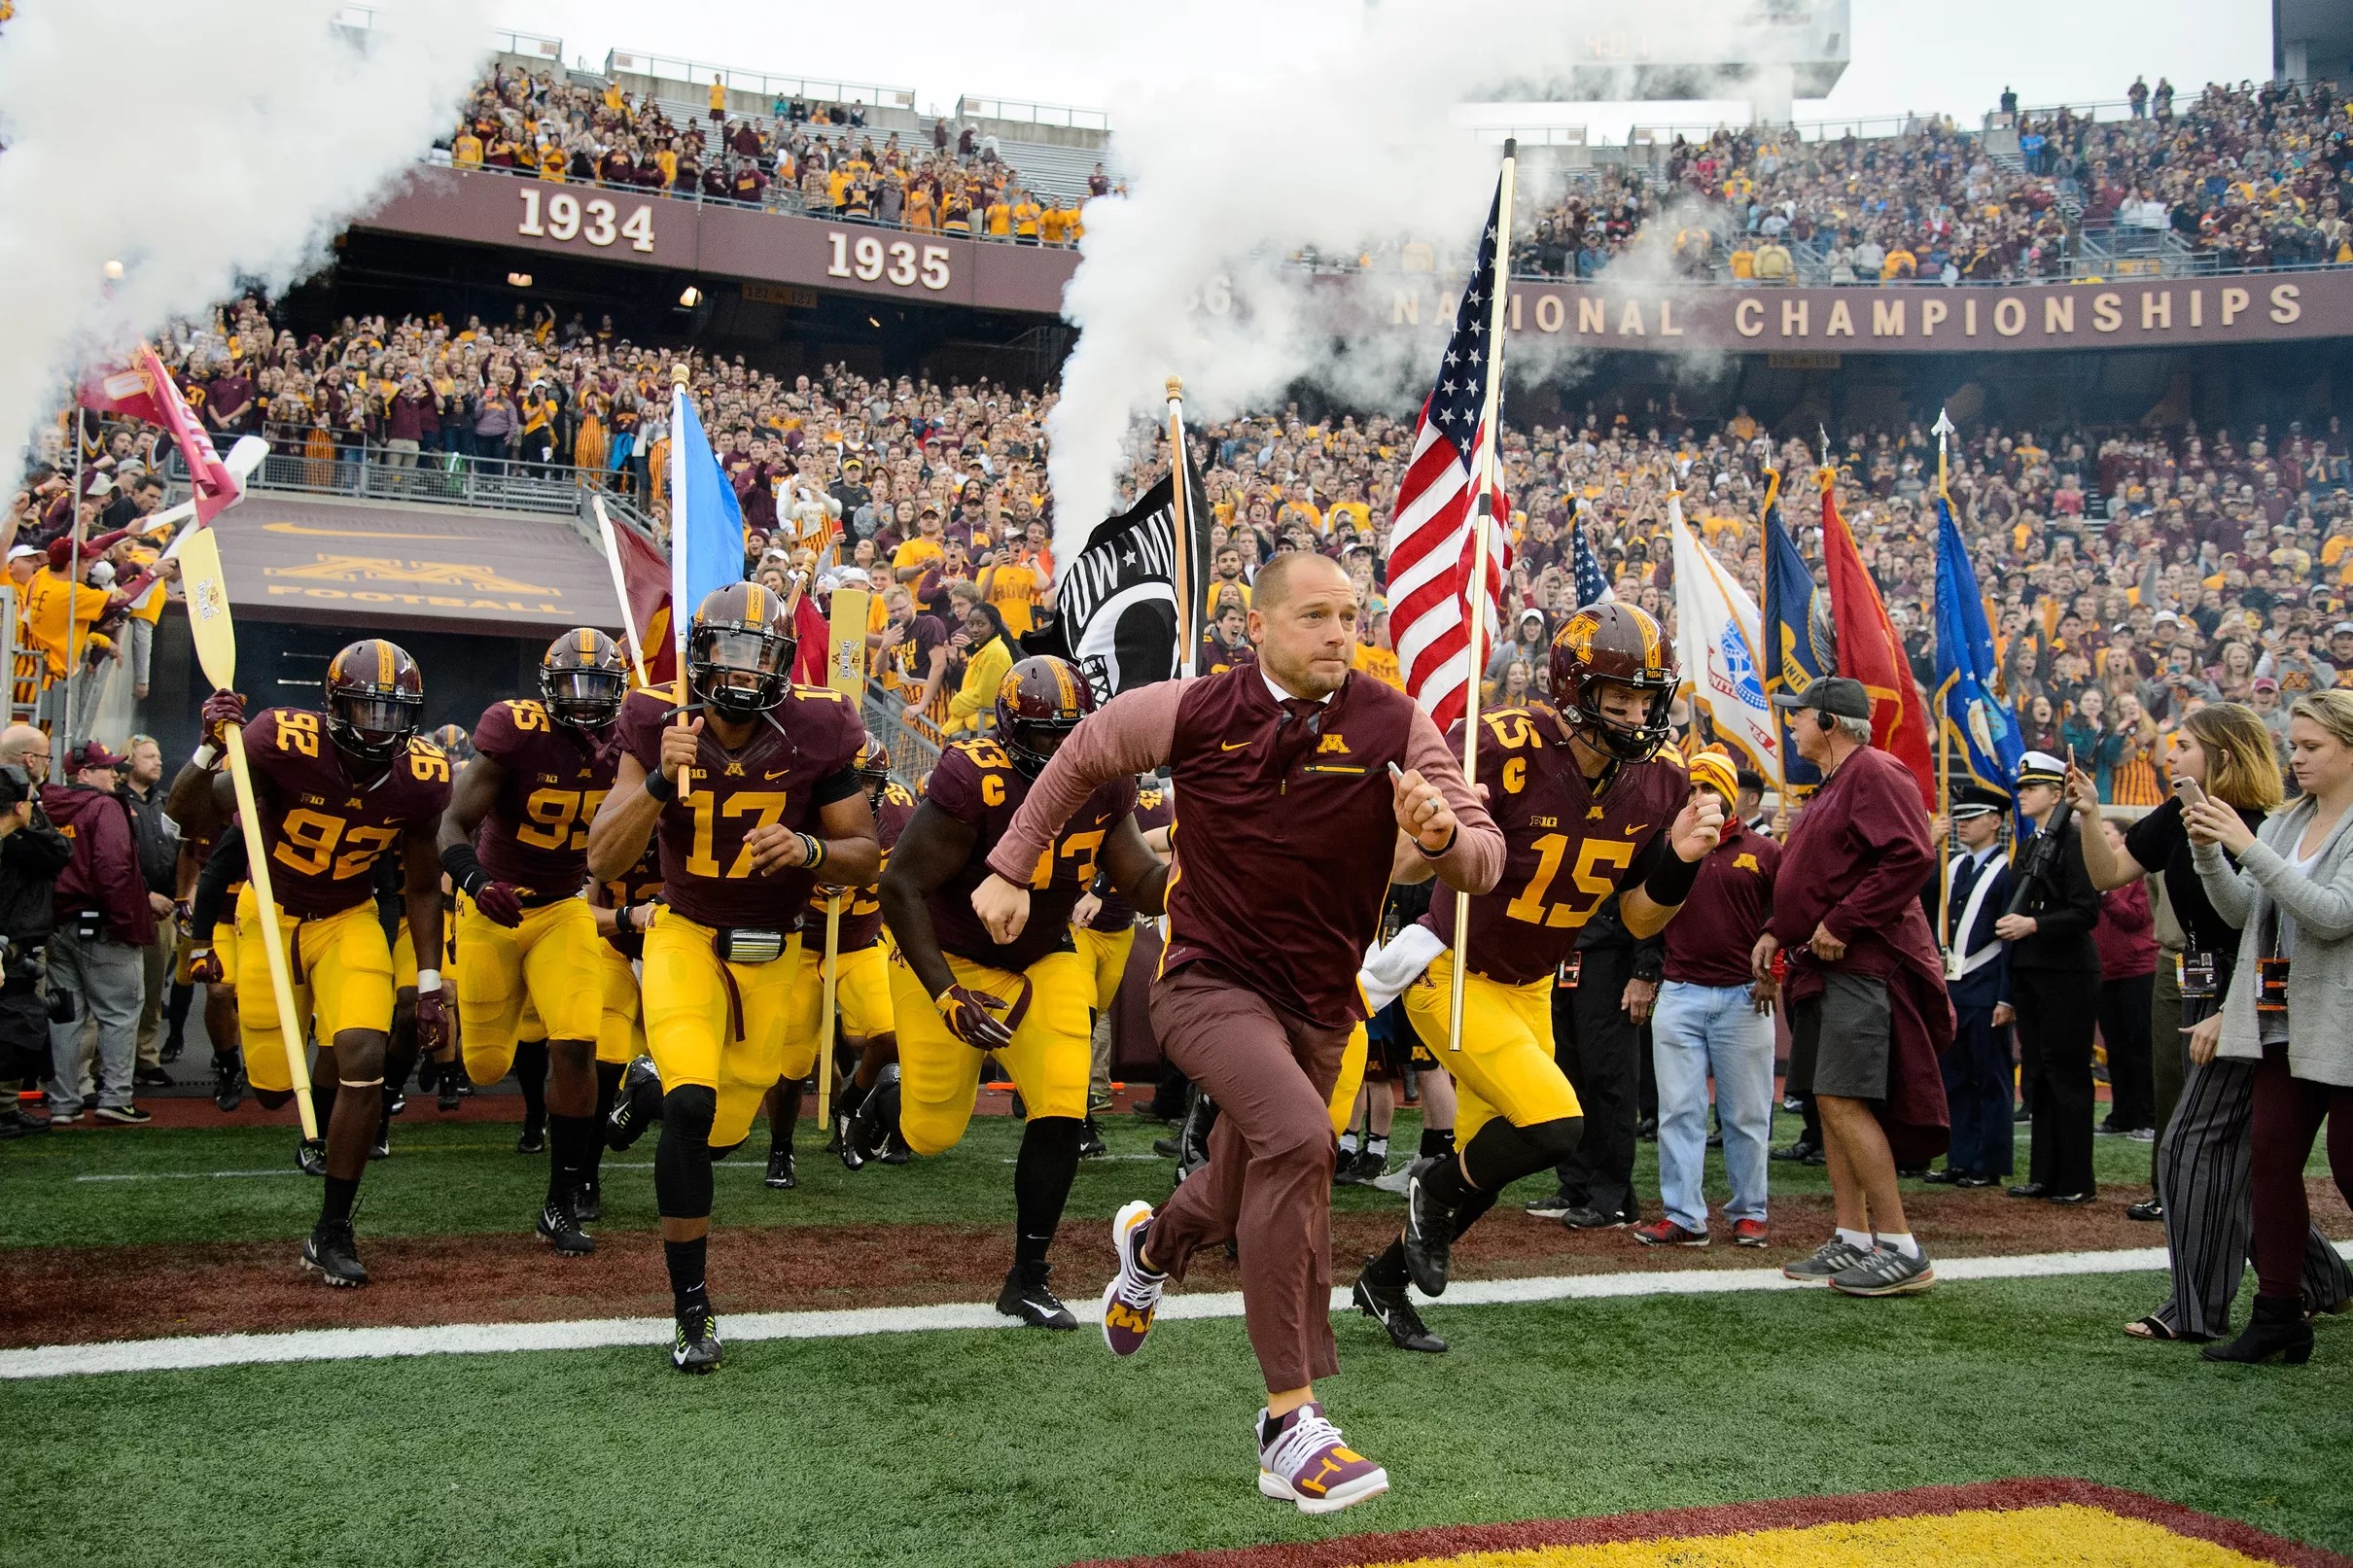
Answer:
(1388, 970)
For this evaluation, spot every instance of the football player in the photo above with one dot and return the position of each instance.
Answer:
(1589, 808)
(514, 843)
(960, 996)
(862, 991)
(337, 790)
(203, 827)
(754, 791)
(623, 908)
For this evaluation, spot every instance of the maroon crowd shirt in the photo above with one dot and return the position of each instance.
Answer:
(1565, 848)
(785, 772)
(1710, 937)
(977, 784)
(326, 831)
(1296, 824)
(536, 833)
(861, 920)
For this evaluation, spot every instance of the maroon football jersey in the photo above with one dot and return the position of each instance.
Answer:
(976, 782)
(1564, 849)
(862, 918)
(536, 835)
(325, 832)
(1155, 807)
(641, 882)
(786, 771)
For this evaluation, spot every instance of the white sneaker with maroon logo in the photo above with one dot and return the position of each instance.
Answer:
(1307, 1461)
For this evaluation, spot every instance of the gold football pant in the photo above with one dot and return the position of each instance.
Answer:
(861, 995)
(1106, 954)
(342, 974)
(621, 1031)
(547, 962)
(939, 1075)
(1505, 1067)
(720, 1025)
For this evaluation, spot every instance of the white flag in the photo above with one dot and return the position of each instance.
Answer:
(1716, 640)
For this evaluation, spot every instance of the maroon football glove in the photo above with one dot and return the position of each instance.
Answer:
(220, 711)
(204, 966)
(500, 902)
(970, 1016)
(433, 1020)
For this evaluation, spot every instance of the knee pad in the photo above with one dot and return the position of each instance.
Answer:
(689, 1110)
(1557, 1140)
(682, 1158)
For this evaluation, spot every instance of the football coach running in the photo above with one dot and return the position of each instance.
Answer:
(1283, 775)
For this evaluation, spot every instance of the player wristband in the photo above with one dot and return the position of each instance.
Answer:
(1670, 881)
(428, 980)
(814, 849)
(205, 757)
(465, 868)
(660, 785)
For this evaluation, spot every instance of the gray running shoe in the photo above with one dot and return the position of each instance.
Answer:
(1833, 1257)
(1886, 1272)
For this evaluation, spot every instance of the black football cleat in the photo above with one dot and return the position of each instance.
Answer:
(874, 1125)
(1028, 1297)
(1388, 1307)
(333, 1254)
(780, 1174)
(588, 1201)
(381, 1148)
(696, 1349)
(637, 1106)
(311, 1157)
(533, 1139)
(1429, 1231)
(894, 1151)
(447, 1087)
(561, 1225)
(1090, 1141)
(228, 1080)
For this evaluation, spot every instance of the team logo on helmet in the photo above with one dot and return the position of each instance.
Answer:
(582, 678)
(1040, 701)
(1614, 643)
(873, 767)
(740, 650)
(376, 694)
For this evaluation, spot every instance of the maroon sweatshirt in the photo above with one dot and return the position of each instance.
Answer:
(1709, 939)
(1282, 836)
(104, 872)
(2126, 933)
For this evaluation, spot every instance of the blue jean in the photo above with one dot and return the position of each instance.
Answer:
(1696, 1029)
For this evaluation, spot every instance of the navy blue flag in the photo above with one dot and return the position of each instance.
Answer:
(1976, 720)
(1800, 644)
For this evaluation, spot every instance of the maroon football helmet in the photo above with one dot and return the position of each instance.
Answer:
(740, 649)
(1614, 641)
(376, 694)
(1040, 701)
(874, 767)
(582, 678)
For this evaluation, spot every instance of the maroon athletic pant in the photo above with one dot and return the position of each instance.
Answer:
(2288, 1113)
(1268, 1185)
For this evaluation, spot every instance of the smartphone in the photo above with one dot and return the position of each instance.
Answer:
(2189, 791)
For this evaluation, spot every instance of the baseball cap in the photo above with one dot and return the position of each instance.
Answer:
(20, 551)
(1836, 695)
(2340, 628)
(92, 754)
(2264, 682)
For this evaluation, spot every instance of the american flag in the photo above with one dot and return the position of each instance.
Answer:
(1592, 588)
(1431, 540)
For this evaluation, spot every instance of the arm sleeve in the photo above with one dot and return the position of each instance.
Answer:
(1475, 859)
(2077, 907)
(2230, 891)
(227, 866)
(1896, 860)
(2324, 908)
(1133, 732)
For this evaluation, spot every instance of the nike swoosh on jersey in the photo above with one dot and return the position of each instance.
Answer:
(1231, 745)
(778, 774)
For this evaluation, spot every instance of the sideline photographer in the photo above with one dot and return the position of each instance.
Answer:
(31, 855)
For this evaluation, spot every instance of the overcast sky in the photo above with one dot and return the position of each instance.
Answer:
(1951, 59)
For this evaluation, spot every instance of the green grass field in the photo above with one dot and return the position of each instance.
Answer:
(1010, 1448)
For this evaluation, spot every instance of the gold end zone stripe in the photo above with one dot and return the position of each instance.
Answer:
(2022, 1522)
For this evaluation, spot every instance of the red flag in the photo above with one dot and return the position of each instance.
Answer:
(812, 654)
(646, 577)
(144, 389)
(1871, 651)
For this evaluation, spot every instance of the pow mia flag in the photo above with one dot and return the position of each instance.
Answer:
(1119, 600)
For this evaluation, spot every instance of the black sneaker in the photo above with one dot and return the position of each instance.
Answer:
(534, 1138)
(1388, 1307)
(1028, 1297)
(311, 1157)
(696, 1349)
(331, 1252)
(638, 1105)
(2148, 1209)
(780, 1169)
(1167, 1149)
(1584, 1218)
(1429, 1231)
(124, 1115)
(1647, 1129)
(1551, 1207)
(588, 1201)
(228, 1080)
(153, 1078)
(874, 1125)
(1090, 1141)
(561, 1225)
(173, 1046)
(1800, 1153)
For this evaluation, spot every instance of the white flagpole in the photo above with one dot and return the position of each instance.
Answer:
(620, 585)
(682, 613)
(1482, 506)
(1189, 634)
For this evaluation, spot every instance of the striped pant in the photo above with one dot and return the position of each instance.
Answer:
(2203, 1177)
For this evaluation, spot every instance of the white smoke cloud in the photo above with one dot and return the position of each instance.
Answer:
(1233, 170)
(200, 145)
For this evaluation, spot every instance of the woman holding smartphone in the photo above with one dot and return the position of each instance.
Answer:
(2201, 1169)
(2289, 1010)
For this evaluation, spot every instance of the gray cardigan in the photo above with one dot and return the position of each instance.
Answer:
(2320, 979)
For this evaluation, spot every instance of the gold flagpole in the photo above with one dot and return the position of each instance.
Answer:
(1482, 506)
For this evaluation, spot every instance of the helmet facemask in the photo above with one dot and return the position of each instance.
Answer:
(739, 671)
(583, 696)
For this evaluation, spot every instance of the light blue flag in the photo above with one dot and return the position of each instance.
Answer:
(1978, 722)
(706, 521)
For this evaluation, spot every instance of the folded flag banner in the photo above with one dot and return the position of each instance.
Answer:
(1117, 601)
(1592, 588)
(1973, 718)
(143, 389)
(1717, 643)
(1800, 644)
(1871, 651)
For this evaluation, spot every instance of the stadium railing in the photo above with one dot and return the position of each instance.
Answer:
(767, 85)
(359, 472)
(969, 107)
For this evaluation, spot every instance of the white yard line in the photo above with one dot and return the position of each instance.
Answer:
(589, 1334)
